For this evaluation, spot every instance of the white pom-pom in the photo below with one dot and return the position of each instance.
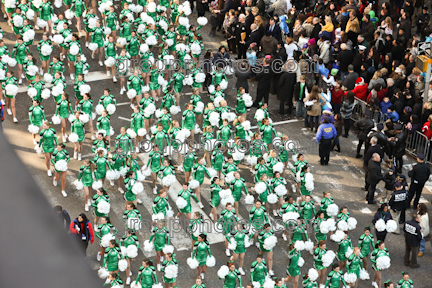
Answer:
(228, 199)
(151, 40)
(331, 223)
(33, 129)
(259, 115)
(2, 73)
(107, 31)
(249, 199)
(28, 35)
(272, 198)
(41, 23)
(364, 275)
(217, 102)
(57, 89)
(324, 227)
(214, 118)
(349, 252)
(151, 7)
(383, 262)
(149, 110)
(252, 160)
(202, 21)
(11, 89)
(168, 180)
(158, 113)
(169, 213)
(78, 184)
(84, 118)
(270, 242)
(110, 62)
(131, 93)
(30, 14)
(59, 39)
(103, 273)
(238, 155)
(174, 110)
(299, 245)
(144, 48)
(200, 77)
(74, 49)
(112, 175)
(97, 184)
(48, 78)
(290, 217)
(269, 283)
(142, 132)
(171, 271)
(256, 284)
(309, 245)
(61, 166)
(229, 116)
(148, 246)
(158, 216)
(122, 41)
(91, 46)
(313, 274)
(137, 188)
(99, 109)
(229, 178)
(223, 271)
(84, 89)
(309, 184)
(168, 249)
(32, 92)
(131, 133)
(181, 203)
(132, 251)
(140, 177)
(211, 89)
(352, 223)
(138, 285)
(71, 118)
(193, 184)
(122, 265)
(391, 226)
(56, 120)
(224, 84)
(103, 207)
(69, 14)
(327, 258)
(332, 210)
(260, 187)
(45, 93)
(106, 239)
(278, 167)
(380, 225)
(280, 190)
(18, 21)
(210, 261)
(342, 225)
(350, 277)
(301, 262)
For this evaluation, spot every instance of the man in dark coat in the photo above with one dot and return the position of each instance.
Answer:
(398, 143)
(364, 126)
(373, 148)
(239, 29)
(374, 177)
(381, 137)
(201, 7)
(254, 36)
(351, 77)
(419, 174)
(273, 29)
(413, 236)
(368, 29)
(242, 74)
(250, 18)
(264, 83)
(286, 85)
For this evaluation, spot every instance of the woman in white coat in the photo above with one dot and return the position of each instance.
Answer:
(424, 224)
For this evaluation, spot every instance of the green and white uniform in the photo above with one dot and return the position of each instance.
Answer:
(263, 235)
(236, 187)
(259, 272)
(227, 220)
(334, 280)
(318, 254)
(155, 161)
(86, 176)
(166, 263)
(200, 252)
(59, 155)
(376, 254)
(293, 267)
(37, 115)
(78, 127)
(240, 237)
(64, 109)
(102, 164)
(48, 140)
(94, 203)
(147, 276)
(161, 238)
(186, 195)
(258, 217)
(111, 258)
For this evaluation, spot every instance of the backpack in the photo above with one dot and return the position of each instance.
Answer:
(1, 111)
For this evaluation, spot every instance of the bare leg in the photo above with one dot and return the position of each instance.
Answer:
(63, 179)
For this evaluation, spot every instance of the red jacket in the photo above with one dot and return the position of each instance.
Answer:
(336, 96)
(427, 130)
(88, 231)
(360, 91)
(380, 95)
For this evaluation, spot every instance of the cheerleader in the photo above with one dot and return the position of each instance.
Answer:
(64, 109)
(217, 93)
(194, 229)
(241, 237)
(118, 163)
(229, 167)
(201, 251)
(405, 282)
(168, 100)
(44, 46)
(100, 143)
(237, 186)
(199, 170)
(388, 284)
(81, 67)
(86, 176)
(103, 125)
(259, 169)
(101, 195)
(207, 112)
(86, 107)
(29, 61)
(112, 256)
(343, 215)
(259, 270)
(124, 141)
(122, 65)
(39, 86)
(132, 163)
(46, 13)
(225, 133)
(189, 119)
(105, 227)
(136, 83)
(206, 140)
(97, 37)
(161, 204)
(366, 241)
(198, 83)
(146, 274)
(79, 8)
(318, 264)
(267, 132)
(218, 75)
(186, 194)
(77, 127)
(263, 235)
(60, 154)
(261, 114)
(317, 225)
(170, 260)
(195, 99)
(16, 26)
(10, 99)
(233, 277)
(86, 21)
(175, 146)
(133, 45)
(240, 129)
(300, 232)
(56, 66)
(354, 265)
(59, 81)
(153, 82)
(241, 106)
(198, 283)
(110, 52)
(308, 283)
(170, 37)
(36, 117)
(335, 278)
(218, 158)
(380, 251)
(177, 79)
(293, 270)
(302, 175)
(276, 181)
(215, 188)
(155, 164)
(325, 202)
(283, 153)
(73, 58)
(257, 149)
(137, 122)
(165, 120)
(58, 24)
(130, 196)
(66, 33)
(161, 239)
(132, 216)
(343, 246)
(258, 217)
(114, 279)
(384, 214)
(48, 140)
(145, 102)
(167, 170)
(102, 164)
(307, 211)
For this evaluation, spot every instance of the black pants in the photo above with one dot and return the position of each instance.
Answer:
(261, 95)
(413, 251)
(241, 50)
(398, 163)
(82, 244)
(201, 14)
(371, 193)
(347, 124)
(232, 45)
(282, 102)
(325, 147)
(191, 4)
(415, 189)
(381, 237)
(365, 168)
(359, 145)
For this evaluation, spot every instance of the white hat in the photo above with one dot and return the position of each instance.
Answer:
(361, 47)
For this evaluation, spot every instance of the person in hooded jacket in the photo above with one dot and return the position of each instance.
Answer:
(398, 143)
(364, 126)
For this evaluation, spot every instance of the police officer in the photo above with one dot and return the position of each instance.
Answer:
(325, 134)
(413, 236)
(398, 203)
(419, 174)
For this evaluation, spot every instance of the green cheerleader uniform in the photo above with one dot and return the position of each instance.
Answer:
(342, 217)
(172, 137)
(240, 237)
(137, 121)
(95, 201)
(241, 106)
(133, 46)
(131, 214)
(293, 267)
(215, 198)
(232, 278)
(334, 279)
(206, 117)
(64, 109)
(101, 167)
(126, 241)
(98, 36)
(199, 286)
(111, 258)
(86, 21)
(86, 176)
(104, 123)
(240, 131)
(81, 67)
(86, 106)
(165, 171)
(16, 30)
(78, 6)
(342, 249)
(307, 210)
(376, 254)
(20, 53)
(267, 133)
(160, 205)
(186, 195)
(133, 165)
(166, 263)
(188, 120)
(100, 144)
(104, 229)
(161, 238)
(146, 102)
(136, 83)
(405, 284)
(354, 264)
(263, 196)
(259, 169)
(59, 155)
(365, 244)
(263, 235)
(309, 284)
(3, 49)
(124, 142)
(217, 93)
(146, 61)
(48, 140)
(325, 202)
(259, 272)
(217, 77)
(65, 33)
(172, 36)
(168, 100)
(26, 65)
(270, 162)
(258, 217)
(200, 251)
(166, 121)
(56, 67)
(129, 195)
(37, 115)
(111, 20)
(227, 220)
(25, 29)
(154, 161)
(266, 115)
(201, 46)
(78, 127)
(236, 187)
(194, 72)
(116, 283)
(105, 100)
(122, 64)
(318, 254)
(154, 75)
(189, 161)
(217, 159)
(198, 173)
(318, 235)
(147, 276)
(125, 30)
(303, 190)
(118, 162)
(174, 12)
(257, 148)
(45, 11)
(177, 78)
(193, 223)
(224, 133)
(110, 50)
(194, 100)
(300, 233)
(39, 86)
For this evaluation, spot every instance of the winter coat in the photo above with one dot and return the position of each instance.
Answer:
(316, 107)
(325, 51)
(364, 126)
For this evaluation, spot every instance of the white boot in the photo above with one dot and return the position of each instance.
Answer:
(64, 193)
(49, 173)
(72, 76)
(155, 191)
(15, 119)
(227, 252)
(271, 272)
(111, 182)
(158, 267)
(86, 207)
(75, 155)
(114, 79)
(374, 284)
(101, 64)
(241, 271)
(121, 91)
(108, 73)
(121, 190)
(128, 280)
(79, 156)
(9, 111)
(202, 276)
(98, 256)
(54, 182)
(139, 201)
(86, 44)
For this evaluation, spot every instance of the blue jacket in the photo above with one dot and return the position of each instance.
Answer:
(326, 131)
(394, 116)
(385, 106)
